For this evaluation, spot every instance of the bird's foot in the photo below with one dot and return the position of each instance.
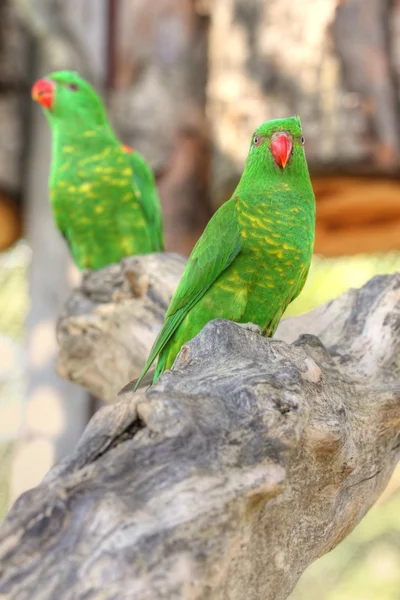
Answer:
(251, 327)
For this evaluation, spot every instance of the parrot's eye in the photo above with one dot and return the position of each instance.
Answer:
(257, 140)
(72, 86)
(302, 140)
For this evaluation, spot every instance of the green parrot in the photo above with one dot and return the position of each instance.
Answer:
(103, 194)
(255, 253)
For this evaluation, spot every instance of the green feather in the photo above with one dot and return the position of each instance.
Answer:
(212, 254)
(144, 179)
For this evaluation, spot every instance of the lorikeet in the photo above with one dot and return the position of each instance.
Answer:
(102, 193)
(254, 255)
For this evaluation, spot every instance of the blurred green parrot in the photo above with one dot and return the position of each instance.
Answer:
(103, 194)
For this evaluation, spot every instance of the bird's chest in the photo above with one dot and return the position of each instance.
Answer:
(274, 247)
(89, 186)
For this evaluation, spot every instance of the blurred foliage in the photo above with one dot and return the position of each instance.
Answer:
(6, 449)
(14, 303)
(14, 291)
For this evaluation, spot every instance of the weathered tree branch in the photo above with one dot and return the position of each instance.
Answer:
(110, 322)
(242, 465)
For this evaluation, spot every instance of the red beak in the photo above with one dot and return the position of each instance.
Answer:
(43, 92)
(281, 148)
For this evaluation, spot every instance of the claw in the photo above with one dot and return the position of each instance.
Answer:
(251, 327)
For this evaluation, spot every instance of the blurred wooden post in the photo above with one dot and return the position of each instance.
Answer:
(159, 105)
(14, 61)
(336, 64)
(54, 414)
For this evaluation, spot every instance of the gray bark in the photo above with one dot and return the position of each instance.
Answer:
(243, 464)
(110, 322)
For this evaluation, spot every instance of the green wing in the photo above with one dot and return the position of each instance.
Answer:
(214, 252)
(61, 224)
(143, 180)
(301, 282)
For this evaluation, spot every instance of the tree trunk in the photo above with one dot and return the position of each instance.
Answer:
(110, 322)
(247, 461)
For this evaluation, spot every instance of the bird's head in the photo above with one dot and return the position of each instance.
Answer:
(66, 98)
(277, 147)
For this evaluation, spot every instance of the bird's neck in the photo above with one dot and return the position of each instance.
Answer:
(81, 140)
(259, 187)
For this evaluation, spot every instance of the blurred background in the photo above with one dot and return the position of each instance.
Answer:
(186, 82)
